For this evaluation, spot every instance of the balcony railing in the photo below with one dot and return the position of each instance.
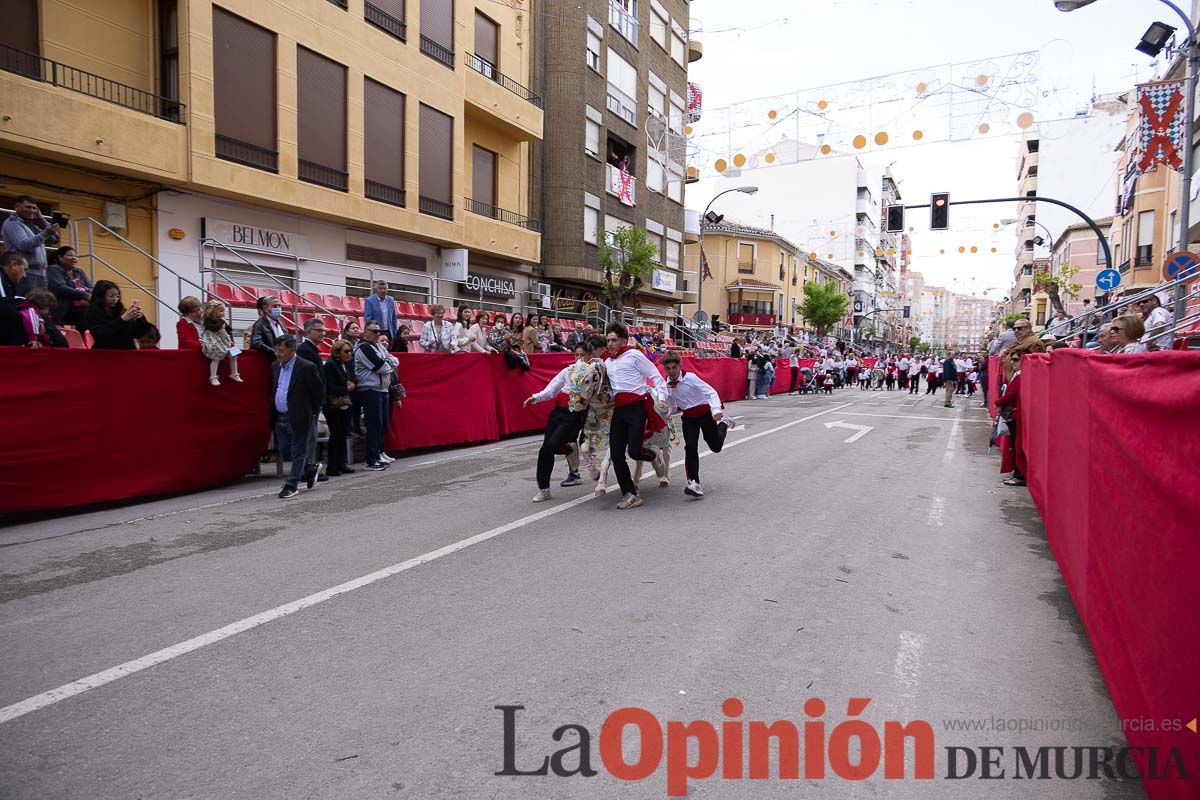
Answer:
(625, 23)
(375, 190)
(501, 214)
(312, 172)
(385, 21)
(56, 74)
(622, 105)
(435, 208)
(437, 51)
(622, 185)
(751, 319)
(489, 71)
(250, 155)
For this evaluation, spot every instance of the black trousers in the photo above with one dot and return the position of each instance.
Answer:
(626, 435)
(714, 437)
(336, 449)
(795, 379)
(561, 429)
(914, 384)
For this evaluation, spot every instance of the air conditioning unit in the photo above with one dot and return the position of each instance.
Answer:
(543, 290)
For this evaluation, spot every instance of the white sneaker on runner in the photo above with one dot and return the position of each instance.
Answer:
(542, 496)
(630, 501)
(693, 489)
(660, 465)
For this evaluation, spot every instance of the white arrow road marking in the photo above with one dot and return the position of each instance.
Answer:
(863, 430)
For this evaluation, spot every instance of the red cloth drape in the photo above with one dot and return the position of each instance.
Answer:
(90, 426)
(1112, 445)
(449, 401)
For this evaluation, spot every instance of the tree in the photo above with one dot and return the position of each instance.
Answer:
(914, 343)
(1057, 282)
(627, 258)
(823, 305)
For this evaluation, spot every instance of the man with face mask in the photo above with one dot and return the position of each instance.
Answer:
(268, 327)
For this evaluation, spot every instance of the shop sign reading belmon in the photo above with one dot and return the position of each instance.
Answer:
(244, 235)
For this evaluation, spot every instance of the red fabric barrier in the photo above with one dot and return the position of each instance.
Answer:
(728, 376)
(993, 384)
(90, 426)
(1113, 442)
(449, 401)
(510, 387)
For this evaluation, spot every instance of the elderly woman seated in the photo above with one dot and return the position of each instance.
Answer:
(1125, 333)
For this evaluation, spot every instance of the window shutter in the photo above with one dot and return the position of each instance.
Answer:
(483, 175)
(437, 21)
(244, 80)
(321, 106)
(384, 130)
(20, 28)
(437, 147)
(487, 40)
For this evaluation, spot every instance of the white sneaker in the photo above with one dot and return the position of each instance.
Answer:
(693, 489)
(542, 496)
(728, 422)
(660, 465)
(630, 501)
(385, 458)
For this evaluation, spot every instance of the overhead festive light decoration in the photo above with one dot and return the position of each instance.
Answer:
(881, 138)
(739, 160)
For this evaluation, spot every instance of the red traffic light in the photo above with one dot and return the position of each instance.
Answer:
(939, 202)
(939, 211)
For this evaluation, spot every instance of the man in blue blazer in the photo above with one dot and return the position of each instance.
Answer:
(381, 308)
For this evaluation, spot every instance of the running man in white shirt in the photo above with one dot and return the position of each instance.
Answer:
(628, 371)
(565, 422)
(702, 413)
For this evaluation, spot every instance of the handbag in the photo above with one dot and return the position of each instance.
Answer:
(340, 402)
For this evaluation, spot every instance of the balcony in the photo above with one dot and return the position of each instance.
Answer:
(312, 172)
(691, 226)
(246, 154)
(437, 51)
(501, 214)
(53, 110)
(625, 23)
(761, 320)
(497, 101)
(435, 208)
(374, 190)
(695, 47)
(385, 21)
(622, 185)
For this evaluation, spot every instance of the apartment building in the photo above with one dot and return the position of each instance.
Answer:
(1078, 248)
(317, 145)
(614, 75)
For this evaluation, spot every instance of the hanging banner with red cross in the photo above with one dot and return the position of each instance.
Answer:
(1162, 122)
(705, 272)
(694, 98)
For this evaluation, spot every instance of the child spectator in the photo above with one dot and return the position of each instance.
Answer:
(150, 339)
(828, 383)
(972, 379)
(216, 343)
(35, 316)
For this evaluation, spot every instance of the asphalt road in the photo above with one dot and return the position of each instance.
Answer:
(354, 643)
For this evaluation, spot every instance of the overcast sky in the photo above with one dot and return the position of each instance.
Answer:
(759, 48)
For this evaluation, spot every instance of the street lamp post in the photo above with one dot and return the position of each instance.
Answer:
(1192, 54)
(700, 286)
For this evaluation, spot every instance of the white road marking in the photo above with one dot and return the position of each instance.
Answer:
(937, 512)
(907, 668)
(77, 687)
(913, 416)
(948, 456)
(863, 430)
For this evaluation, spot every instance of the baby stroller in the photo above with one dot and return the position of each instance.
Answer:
(807, 385)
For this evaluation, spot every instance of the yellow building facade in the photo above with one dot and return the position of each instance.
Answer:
(113, 110)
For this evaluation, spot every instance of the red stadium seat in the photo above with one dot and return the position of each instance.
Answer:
(73, 337)
(313, 300)
(335, 303)
(265, 291)
(290, 299)
(354, 305)
(88, 341)
(422, 310)
(451, 313)
(404, 309)
(331, 323)
(232, 295)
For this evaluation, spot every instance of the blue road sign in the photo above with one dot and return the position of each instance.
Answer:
(1108, 279)
(1180, 265)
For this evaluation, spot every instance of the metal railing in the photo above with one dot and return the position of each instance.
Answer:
(436, 208)
(312, 172)
(250, 155)
(489, 71)
(437, 51)
(385, 21)
(1077, 326)
(623, 21)
(384, 193)
(501, 214)
(54, 73)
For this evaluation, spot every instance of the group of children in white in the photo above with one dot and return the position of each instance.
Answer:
(613, 403)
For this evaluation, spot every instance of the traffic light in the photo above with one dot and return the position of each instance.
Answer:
(895, 219)
(939, 212)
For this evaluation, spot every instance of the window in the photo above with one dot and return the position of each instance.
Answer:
(168, 50)
(321, 117)
(678, 51)
(1145, 238)
(244, 91)
(384, 139)
(656, 101)
(675, 121)
(487, 46)
(622, 87)
(437, 30)
(655, 175)
(387, 15)
(656, 239)
(658, 25)
(673, 253)
(483, 176)
(20, 31)
(591, 139)
(593, 51)
(622, 15)
(591, 224)
(436, 162)
(745, 257)
(1174, 230)
(675, 184)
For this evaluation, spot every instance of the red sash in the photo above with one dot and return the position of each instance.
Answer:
(654, 423)
(698, 411)
(563, 401)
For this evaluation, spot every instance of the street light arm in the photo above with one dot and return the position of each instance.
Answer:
(1187, 21)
